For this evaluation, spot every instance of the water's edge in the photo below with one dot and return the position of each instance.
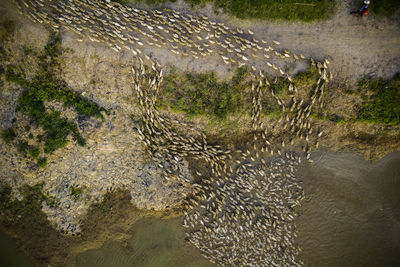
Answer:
(350, 217)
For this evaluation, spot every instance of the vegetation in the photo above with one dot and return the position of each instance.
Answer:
(8, 135)
(33, 196)
(385, 7)
(45, 86)
(304, 10)
(42, 162)
(76, 191)
(381, 100)
(202, 94)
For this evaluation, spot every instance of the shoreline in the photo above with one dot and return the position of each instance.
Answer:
(354, 175)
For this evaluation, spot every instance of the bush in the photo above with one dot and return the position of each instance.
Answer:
(42, 162)
(8, 135)
(44, 86)
(33, 152)
(23, 147)
(381, 100)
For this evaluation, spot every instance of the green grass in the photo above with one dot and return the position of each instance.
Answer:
(45, 86)
(292, 10)
(42, 162)
(201, 94)
(385, 7)
(305, 10)
(381, 100)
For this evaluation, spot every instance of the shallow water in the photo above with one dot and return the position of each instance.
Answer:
(10, 255)
(155, 242)
(350, 217)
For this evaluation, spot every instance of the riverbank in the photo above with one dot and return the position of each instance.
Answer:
(349, 217)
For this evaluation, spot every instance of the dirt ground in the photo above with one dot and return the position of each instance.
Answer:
(355, 46)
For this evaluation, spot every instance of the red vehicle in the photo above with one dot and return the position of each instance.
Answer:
(363, 10)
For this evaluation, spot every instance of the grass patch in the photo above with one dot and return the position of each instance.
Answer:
(304, 10)
(8, 135)
(42, 162)
(292, 10)
(75, 191)
(201, 94)
(380, 100)
(45, 87)
(385, 7)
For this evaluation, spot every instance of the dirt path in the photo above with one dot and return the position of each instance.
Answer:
(356, 46)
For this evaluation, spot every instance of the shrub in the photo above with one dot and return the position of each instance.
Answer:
(8, 135)
(23, 147)
(33, 152)
(44, 86)
(42, 162)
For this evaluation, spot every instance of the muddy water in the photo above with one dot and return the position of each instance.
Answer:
(155, 242)
(10, 255)
(350, 217)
